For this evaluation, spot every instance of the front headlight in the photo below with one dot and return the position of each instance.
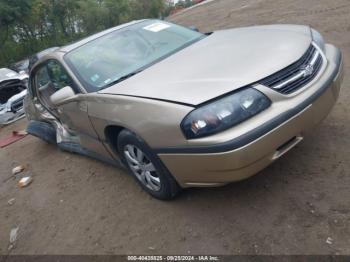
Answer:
(318, 39)
(8, 106)
(224, 113)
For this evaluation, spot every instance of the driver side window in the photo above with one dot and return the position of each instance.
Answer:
(58, 75)
(50, 78)
(42, 77)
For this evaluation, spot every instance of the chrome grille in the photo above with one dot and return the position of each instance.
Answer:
(297, 75)
(17, 105)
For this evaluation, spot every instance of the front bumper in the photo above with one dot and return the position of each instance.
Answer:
(244, 156)
(7, 118)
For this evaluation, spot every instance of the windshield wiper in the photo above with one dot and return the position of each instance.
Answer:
(122, 78)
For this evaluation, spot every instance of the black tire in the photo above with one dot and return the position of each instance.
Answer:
(169, 188)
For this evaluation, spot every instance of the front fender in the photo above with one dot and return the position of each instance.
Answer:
(157, 122)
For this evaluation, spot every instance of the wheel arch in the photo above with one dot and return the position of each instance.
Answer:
(111, 134)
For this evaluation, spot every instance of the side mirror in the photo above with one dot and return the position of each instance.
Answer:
(193, 28)
(61, 95)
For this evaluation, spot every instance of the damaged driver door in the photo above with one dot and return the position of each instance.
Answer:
(58, 93)
(49, 79)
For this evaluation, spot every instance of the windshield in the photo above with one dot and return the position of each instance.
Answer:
(126, 51)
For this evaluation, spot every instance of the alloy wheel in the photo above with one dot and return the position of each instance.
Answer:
(142, 167)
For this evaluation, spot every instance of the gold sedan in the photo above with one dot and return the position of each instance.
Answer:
(180, 108)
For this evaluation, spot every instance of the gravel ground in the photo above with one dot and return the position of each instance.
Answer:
(77, 205)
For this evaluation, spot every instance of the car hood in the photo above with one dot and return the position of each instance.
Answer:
(7, 75)
(220, 63)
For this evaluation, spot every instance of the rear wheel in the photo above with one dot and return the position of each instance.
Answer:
(146, 167)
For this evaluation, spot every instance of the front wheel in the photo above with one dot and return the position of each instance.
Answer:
(146, 167)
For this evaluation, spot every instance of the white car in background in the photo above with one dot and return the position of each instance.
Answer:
(13, 89)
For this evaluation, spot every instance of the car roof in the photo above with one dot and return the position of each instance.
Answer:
(83, 41)
(45, 51)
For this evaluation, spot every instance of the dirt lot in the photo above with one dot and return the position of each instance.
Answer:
(78, 205)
